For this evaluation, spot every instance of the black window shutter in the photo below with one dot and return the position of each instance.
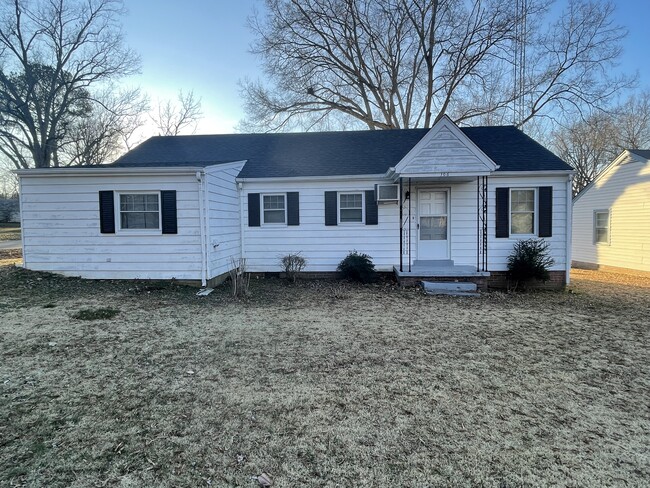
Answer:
(169, 214)
(331, 208)
(372, 212)
(253, 209)
(545, 210)
(106, 212)
(293, 208)
(503, 209)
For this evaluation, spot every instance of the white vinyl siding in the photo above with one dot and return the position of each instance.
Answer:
(624, 190)
(60, 217)
(224, 240)
(323, 246)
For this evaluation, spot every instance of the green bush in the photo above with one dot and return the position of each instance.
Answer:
(357, 267)
(529, 261)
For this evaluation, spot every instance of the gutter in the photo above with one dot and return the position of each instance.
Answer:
(95, 170)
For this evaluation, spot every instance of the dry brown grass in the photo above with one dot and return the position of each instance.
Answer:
(9, 232)
(10, 257)
(321, 384)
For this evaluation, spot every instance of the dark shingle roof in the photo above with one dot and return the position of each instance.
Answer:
(330, 153)
(644, 153)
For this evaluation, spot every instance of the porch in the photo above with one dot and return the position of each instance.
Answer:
(441, 271)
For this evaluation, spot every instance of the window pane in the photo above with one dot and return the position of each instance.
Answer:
(433, 228)
(274, 216)
(602, 235)
(139, 220)
(352, 200)
(273, 202)
(523, 200)
(522, 223)
(351, 215)
(602, 219)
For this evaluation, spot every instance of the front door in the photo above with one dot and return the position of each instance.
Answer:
(433, 225)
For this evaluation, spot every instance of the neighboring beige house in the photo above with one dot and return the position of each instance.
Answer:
(611, 216)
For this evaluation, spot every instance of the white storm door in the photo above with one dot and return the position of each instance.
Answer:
(433, 224)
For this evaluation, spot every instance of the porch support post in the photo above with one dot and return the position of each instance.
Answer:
(481, 223)
(410, 200)
(484, 192)
(401, 226)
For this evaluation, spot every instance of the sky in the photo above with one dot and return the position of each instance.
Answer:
(203, 45)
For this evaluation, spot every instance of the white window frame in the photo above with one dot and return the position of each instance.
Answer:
(609, 227)
(363, 207)
(262, 215)
(535, 212)
(118, 213)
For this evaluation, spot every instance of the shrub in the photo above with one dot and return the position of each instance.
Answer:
(529, 260)
(357, 267)
(239, 278)
(292, 264)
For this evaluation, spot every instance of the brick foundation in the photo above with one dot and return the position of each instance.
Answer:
(557, 281)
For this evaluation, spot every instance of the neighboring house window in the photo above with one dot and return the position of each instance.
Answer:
(350, 208)
(522, 211)
(274, 209)
(139, 211)
(601, 227)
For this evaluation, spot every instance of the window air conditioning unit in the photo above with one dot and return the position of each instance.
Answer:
(387, 193)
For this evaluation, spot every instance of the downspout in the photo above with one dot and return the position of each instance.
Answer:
(209, 246)
(200, 178)
(240, 188)
(569, 225)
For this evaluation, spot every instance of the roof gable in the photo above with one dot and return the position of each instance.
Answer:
(445, 149)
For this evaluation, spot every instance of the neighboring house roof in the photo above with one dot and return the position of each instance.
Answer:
(644, 153)
(331, 153)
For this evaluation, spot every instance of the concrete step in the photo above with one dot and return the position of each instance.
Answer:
(434, 263)
(450, 288)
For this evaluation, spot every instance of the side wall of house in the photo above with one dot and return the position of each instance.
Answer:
(224, 240)
(61, 229)
(625, 192)
(322, 246)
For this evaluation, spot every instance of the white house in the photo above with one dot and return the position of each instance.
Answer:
(611, 216)
(446, 201)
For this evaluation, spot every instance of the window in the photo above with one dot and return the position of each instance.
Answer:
(350, 207)
(139, 211)
(522, 211)
(274, 209)
(601, 227)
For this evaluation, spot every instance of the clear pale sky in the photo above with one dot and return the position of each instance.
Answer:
(202, 45)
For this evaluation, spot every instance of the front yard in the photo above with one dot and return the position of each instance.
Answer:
(322, 384)
(9, 231)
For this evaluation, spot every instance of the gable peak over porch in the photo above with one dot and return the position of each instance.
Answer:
(445, 151)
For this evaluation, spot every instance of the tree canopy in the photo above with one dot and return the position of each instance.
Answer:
(57, 58)
(384, 64)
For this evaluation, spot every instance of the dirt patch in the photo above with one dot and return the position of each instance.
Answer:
(321, 384)
(10, 257)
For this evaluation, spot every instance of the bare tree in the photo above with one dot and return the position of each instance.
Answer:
(53, 54)
(108, 131)
(172, 119)
(590, 145)
(404, 63)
